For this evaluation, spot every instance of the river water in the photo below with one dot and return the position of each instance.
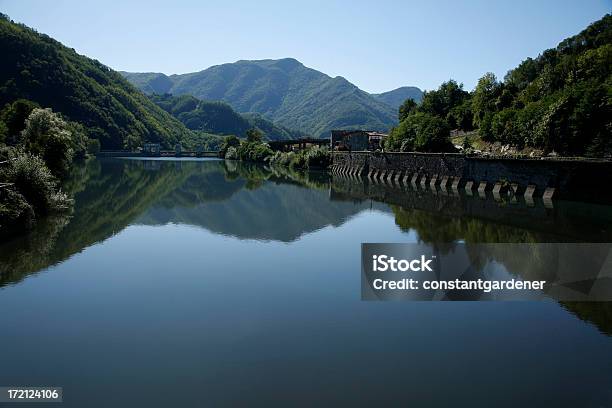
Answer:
(210, 283)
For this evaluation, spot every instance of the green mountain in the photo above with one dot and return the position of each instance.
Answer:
(397, 96)
(149, 82)
(284, 91)
(218, 117)
(560, 101)
(36, 67)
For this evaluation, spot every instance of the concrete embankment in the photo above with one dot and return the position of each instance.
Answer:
(566, 178)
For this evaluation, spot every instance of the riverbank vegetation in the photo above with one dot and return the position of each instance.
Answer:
(37, 148)
(557, 103)
(254, 149)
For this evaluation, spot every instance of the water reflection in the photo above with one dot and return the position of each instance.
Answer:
(274, 204)
(235, 199)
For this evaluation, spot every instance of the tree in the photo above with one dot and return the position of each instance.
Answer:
(254, 135)
(440, 102)
(228, 141)
(460, 116)
(48, 136)
(421, 132)
(14, 116)
(484, 97)
(409, 106)
(79, 138)
(231, 141)
(504, 128)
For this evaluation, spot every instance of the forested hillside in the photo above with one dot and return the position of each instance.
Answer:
(40, 69)
(218, 117)
(284, 91)
(557, 103)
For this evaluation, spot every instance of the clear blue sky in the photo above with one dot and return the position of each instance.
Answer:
(378, 45)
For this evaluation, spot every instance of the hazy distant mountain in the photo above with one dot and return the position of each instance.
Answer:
(284, 91)
(397, 96)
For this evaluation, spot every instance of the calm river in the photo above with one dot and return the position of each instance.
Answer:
(204, 283)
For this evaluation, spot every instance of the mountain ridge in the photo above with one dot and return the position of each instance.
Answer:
(397, 96)
(219, 118)
(282, 90)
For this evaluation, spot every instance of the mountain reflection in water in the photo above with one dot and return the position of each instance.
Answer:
(253, 202)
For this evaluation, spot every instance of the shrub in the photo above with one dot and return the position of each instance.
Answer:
(32, 179)
(231, 154)
(312, 157)
(282, 158)
(318, 156)
(47, 135)
(254, 135)
(298, 161)
(254, 151)
(228, 141)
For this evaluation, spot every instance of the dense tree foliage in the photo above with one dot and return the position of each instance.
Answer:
(13, 116)
(254, 136)
(421, 132)
(37, 68)
(426, 126)
(254, 151)
(441, 101)
(409, 106)
(48, 136)
(41, 148)
(560, 101)
(218, 117)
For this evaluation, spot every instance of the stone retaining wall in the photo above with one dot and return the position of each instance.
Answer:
(585, 180)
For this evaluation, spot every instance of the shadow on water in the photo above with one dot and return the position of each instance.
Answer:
(255, 202)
